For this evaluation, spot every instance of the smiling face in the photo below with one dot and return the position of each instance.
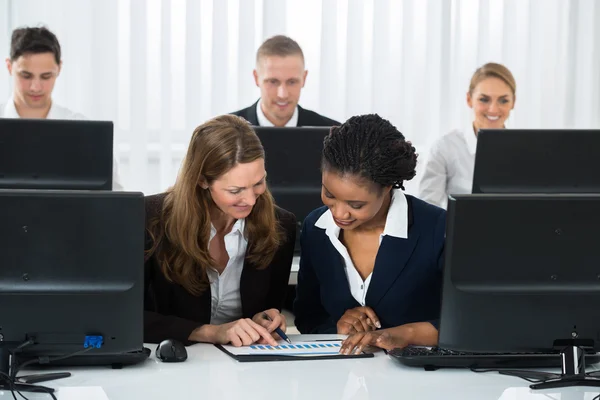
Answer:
(236, 191)
(280, 80)
(492, 101)
(353, 202)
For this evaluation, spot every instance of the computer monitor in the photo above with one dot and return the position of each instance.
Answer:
(293, 163)
(521, 273)
(72, 271)
(537, 161)
(56, 154)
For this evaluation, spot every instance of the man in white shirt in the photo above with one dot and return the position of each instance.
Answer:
(34, 64)
(280, 75)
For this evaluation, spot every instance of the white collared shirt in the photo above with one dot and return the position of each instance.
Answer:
(449, 168)
(56, 112)
(396, 225)
(9, 110)
(226, 301)
(263, 121)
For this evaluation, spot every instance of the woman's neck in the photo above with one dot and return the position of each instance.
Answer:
(221, 221)
(378, 221)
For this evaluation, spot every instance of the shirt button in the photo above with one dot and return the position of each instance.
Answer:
(362, 286)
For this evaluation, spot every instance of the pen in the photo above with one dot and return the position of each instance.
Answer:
(277, 330)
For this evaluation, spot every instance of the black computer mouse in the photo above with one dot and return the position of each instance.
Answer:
(171, 350)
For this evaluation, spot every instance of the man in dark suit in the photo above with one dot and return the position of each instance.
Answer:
(280, 75)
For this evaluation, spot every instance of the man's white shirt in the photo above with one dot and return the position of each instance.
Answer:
(263, 121)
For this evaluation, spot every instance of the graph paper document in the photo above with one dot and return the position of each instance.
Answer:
(285, 351)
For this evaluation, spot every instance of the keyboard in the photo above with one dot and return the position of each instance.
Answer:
(432, 358)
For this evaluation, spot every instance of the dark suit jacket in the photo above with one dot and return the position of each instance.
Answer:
(406, 282)
(171, 312)
(305, 117)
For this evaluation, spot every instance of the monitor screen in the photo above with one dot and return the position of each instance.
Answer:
(537, 161)
(293, 163)
(56, 154)
(521, 271)
(72, 267)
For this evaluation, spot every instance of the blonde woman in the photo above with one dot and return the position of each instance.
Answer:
(449, 169)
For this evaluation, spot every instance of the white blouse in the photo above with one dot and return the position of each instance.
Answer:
(449, 169)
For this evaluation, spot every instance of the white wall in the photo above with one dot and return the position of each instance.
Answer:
(158, 68)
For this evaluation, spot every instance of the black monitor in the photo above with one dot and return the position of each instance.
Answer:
(72, 273)
(537, 161)
(293, 163)
(522, 273)
(56, 154)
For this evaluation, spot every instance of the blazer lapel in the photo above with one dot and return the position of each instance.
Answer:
(301, 117)
(251, 114)
(393, 255)
(336, 274)
(332, 273)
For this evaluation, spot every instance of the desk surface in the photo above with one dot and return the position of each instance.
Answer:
(210, 374)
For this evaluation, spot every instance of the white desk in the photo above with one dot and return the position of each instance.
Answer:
(210, 374)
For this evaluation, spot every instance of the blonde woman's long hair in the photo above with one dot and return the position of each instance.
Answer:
(181, 232)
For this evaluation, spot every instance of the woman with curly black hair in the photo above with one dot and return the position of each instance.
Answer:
(371, 258)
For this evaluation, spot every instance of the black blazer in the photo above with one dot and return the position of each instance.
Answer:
(406, 282)
(305, 117)
(171, 312)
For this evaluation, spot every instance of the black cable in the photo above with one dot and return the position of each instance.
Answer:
(13, 388)
(13, 354)
(22, 395)
(7, 378)
(47, 360)
(596, 398)
(11, 384)
(531, 380)
(483, 371)
(11, 379)
(26, 343)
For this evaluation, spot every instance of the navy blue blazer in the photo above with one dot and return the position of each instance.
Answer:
(406, 282)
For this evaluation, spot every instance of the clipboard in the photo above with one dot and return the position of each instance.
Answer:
(313, 350)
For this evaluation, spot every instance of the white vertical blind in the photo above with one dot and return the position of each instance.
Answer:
(5, 31)
(159, 68)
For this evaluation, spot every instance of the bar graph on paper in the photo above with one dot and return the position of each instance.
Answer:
(284, 348)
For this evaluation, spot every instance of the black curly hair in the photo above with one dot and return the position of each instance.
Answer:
(372, 148)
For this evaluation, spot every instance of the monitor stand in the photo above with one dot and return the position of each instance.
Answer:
(572, 354)
(23, 384)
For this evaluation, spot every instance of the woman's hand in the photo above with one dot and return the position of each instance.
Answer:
(277, 320)
(242, 332)
(418, 333)
(356, 343)
(359, 319)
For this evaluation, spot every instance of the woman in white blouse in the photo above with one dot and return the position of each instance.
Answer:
(449, 169)
(218, 249)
